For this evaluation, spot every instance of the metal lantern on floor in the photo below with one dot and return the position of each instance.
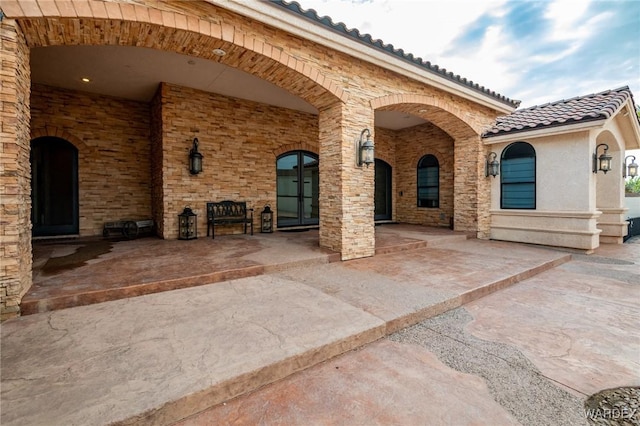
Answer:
(187, 225)
(266, 220)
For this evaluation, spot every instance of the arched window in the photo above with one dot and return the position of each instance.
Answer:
(428, 181)
(518, 177)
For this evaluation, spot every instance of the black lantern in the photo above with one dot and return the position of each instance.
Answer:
(632, 169)
(491, 166)
(187, 225)
(365, 149)
(195, 159)
(266, 220)
(603, 162)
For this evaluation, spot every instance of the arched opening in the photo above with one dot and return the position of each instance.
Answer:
(382, 193)
(518, 177)
(416, 125)
(54, 195)
(298, 188)
(428, 182)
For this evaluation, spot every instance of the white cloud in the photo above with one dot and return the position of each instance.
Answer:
(506, 56)
(565, 16)
(424, 28)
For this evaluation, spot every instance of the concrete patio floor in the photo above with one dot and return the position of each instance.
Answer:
(530, 354)
(76, 272)
(161, 358)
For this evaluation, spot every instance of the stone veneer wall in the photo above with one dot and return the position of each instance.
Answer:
(346, 190)
(412, 144)
(239, 140)
(15, 170)
(342, 87)
(112, 137)
(316, 73)
(157, 191)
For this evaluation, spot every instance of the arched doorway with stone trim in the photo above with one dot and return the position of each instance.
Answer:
(424, 125)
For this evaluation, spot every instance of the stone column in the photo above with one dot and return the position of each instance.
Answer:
(484, 196)
(471, 199)
(15, 169)
(346, 190)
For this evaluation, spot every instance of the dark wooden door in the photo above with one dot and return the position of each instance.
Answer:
(54, 187)
(382, 193)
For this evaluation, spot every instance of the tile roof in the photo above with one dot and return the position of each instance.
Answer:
(390, 49)
(597, 106)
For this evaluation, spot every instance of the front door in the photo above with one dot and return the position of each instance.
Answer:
(54, 187)
(298, 187)
(382, 193)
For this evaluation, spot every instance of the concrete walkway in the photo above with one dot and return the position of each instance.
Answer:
(160, 358)
(530, 354)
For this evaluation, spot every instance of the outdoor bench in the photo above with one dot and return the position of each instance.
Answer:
(228, 212)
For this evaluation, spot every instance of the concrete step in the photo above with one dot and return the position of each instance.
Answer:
(159, 358)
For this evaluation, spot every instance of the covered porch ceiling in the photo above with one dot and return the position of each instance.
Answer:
(135, 72)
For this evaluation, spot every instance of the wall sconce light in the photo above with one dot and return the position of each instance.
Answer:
(492, 167)
(365, 149)
(195, 159)
(602, 163)
(632, 169)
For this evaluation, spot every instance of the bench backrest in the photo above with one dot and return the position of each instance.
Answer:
(226, 209)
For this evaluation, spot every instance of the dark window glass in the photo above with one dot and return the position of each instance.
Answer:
(428, 182)
(518, 177)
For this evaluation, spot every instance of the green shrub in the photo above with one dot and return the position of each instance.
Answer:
(632, 185)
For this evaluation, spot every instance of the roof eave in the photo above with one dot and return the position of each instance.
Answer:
(634, 122)
(293, 23)
(539, 132)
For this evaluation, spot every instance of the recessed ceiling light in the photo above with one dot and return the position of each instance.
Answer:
(219, 52)
(85, 79)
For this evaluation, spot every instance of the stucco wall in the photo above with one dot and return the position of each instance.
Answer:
(574, 206)
(563, 173)
(565, 213)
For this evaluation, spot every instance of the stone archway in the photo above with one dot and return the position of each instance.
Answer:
(171, 31)
(471, 191)
(195, 31)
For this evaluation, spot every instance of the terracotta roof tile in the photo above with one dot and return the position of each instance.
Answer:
(597, 106)
(390, 49)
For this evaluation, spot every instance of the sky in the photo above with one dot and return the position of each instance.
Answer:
(534, 51)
